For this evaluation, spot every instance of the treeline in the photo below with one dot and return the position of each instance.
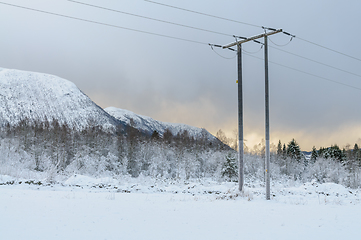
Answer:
(329, 164)
(288, 163)
(54, 147)
(346, 156)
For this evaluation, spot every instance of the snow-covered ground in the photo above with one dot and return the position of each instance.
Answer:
(87, 208)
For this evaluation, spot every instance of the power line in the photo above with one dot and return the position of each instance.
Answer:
(196, 28)
(204, 14)
(243, 50)
(310, 74)
(254, 25)
(149, 18)
(183, 39)
(319, 45)
(327, 79)
(309, 59)
(213, 45)
(105, 24)
(314, 75)
(281, 45)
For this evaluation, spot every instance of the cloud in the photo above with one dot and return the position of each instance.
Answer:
(183, 82)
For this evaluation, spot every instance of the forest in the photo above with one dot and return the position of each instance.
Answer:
(55, 149)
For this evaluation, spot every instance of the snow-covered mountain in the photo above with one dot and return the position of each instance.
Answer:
(39, 97)
(42, 97)
(148, 125)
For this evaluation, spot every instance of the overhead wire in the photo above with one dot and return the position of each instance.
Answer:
(188, 40)
(309, 59)
(314, 75)
(321, 63)
(307, 73)
(213, 45)
(149, 18)
(281, 45)
(204, 14)
(327, 48)
(243, 50)
(105, 24)
(196, 28)
(254, 25)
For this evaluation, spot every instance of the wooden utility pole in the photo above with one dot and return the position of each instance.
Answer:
(240, 110)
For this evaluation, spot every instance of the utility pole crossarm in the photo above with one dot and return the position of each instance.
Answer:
(252, 38)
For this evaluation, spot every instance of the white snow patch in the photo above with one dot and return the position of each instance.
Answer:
(71, 212)
(81, 180)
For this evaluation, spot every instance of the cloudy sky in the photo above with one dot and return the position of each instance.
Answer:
(186, 81)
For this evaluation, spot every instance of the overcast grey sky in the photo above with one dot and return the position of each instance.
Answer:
(179, 81)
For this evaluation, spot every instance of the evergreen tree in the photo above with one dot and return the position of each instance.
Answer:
(229, 168)
(279, 149)
(356, 155)
(293, 150)
(333, 152)
(284, 151)
(321, 152)
(314, 154)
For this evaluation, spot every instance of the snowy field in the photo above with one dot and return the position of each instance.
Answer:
(86, 208)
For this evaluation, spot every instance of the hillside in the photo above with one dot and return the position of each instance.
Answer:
(39, 97)
(148, 125)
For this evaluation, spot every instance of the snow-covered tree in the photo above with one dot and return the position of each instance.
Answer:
(229, 168)
(293, 150)
(356, 155)
(314, 154)
(284, 151)
(333, 152)
(279, 149)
